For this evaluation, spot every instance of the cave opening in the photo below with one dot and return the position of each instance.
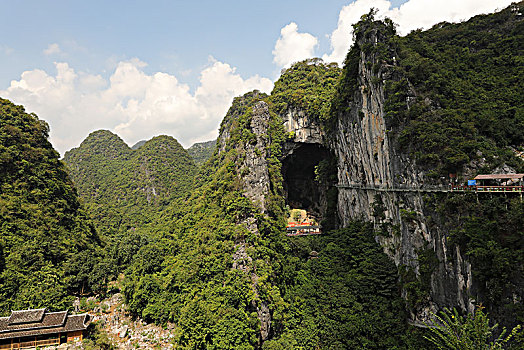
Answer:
(309, 172)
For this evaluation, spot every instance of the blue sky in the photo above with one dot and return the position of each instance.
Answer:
(171, 36)
(143, 68)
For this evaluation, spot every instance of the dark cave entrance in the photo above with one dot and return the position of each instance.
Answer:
(309, 172)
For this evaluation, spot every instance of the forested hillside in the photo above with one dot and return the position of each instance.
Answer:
(219, 265)
(463, 84)
(124, 188)
(46, 240)
(220, 260)
(202, 151)
(455, 103)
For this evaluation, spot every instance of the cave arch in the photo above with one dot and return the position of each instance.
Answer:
(309, 174)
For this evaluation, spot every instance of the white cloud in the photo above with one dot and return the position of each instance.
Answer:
(132, 103)
(423, 14)
(139, 105)
(293, 46)
(52, 49)
(341, 37)
(413, 14)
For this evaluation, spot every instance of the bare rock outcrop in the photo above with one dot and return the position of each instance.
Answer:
(368, 156)
(302, 127)
(253, 175)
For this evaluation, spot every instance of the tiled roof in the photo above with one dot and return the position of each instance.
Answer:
(26, 316)
(51, 322)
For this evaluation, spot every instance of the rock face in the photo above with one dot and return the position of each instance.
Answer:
(256, 187)
(368, 156)
(302, 127)
(254, 182)
(304, 149)
(126, 332)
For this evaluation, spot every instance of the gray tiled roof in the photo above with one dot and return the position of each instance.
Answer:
(26, 316)
(50, 322)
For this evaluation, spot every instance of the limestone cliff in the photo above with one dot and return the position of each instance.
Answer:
(380, 179)
(302, 127)
(369, 157)
(254, 180)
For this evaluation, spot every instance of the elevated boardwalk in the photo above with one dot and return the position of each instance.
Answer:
(423, 189)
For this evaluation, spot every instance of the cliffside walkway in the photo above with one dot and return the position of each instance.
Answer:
(462, 189)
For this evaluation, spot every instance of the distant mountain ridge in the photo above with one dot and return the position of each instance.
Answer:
(206, 250)
(122, 187)
(138, 144)
(202, 151)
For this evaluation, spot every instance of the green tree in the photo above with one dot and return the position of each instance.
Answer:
(47, 244)
(471, 332)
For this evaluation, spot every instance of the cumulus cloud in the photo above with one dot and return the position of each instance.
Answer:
(132, 103)
(413, 14)
(293, 46)
(52, 49)
(341, 37)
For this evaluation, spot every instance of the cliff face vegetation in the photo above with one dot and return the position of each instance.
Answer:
(231, 278)
(408, 112)
(47, 245)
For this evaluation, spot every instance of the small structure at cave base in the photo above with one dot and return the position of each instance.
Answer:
(30, 329)
(300, 223)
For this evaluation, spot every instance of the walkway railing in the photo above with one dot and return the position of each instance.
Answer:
(32, 344)
(454, 188)
(399, 188)
(484, 189)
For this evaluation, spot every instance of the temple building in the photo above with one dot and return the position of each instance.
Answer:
(29, 329)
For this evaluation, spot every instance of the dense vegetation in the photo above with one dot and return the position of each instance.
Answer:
(455, 104)
(46, 240)
(458, 96)
(308, 86)
(193, 275)
(201, 151)
(195, 284)
(490, 233)
(124, 188)
(343, 294)
(471, 332)
(196, 251)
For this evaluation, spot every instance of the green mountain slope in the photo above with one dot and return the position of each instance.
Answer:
(465, 115)
(124, 188)
(347, 297)
(453, 103)
(218, 261)
(214, 259)
(46, 240)
(464, 84)
(202, 151)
